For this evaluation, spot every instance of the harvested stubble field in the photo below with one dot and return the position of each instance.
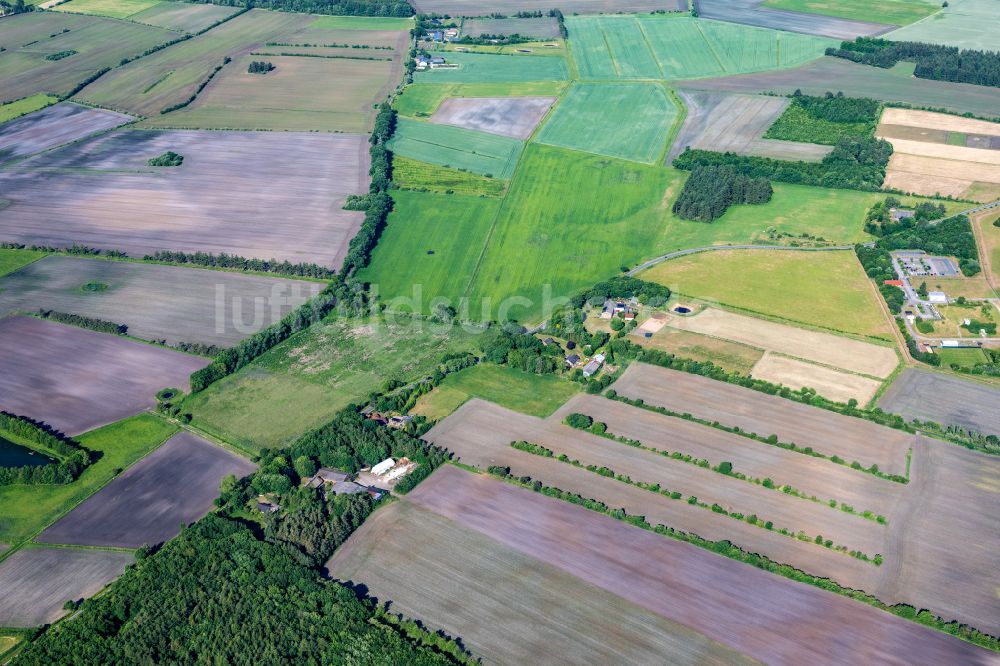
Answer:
(480, 434)
(422, 564)
(625, 47)
(54, 126)
(148, 85)
(736, 123)
(823, 289)
(890, 85)
(813, 476)
(36, 582)
(181, 16)
(301, 383)
(926, 159)
(967, 24)
(516, 117)
(171, 303)
(742, 607)
(752, 12)
(478, 152)
(753, 411)
(255, 194)
(172, 486)
(731, 356)
(829, 383)
(511, 7)
(487, 68)
(289, 98)
(98, 42)
(76, 380)
(546, 27)
(919, 394)
(626, 120)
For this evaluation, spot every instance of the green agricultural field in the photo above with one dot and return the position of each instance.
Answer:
(554, 48)
(965, 357)
(627, 120)
(423, 99)
(454, 228)
(11, 260)
(653, 47)
(29, 509)
(24, 106)
(183, 16)
(148, 85)
(967, 24)
(477, 152)
(97, 42)
(361, 23)
(410, 174)
(111, 8)
(569, 220)
(483, 68)
(895, 12)
(303, 382)
(537, 395)
(824, 289)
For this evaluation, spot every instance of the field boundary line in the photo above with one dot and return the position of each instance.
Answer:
(223, 444)
(711, 48)
(611, 55)
(675, 128)
(649, 46)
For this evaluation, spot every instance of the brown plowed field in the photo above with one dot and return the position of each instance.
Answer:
(36, 582)
(76, 380)
(173, 486)
(813, 476)
(827, 432)
(918, 394)
(516, 117)
(480, 433)
(256, 194)
(508, 608)
(171, 303)
(770, 619)
(54, 126)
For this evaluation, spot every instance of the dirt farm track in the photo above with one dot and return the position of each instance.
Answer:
(737, 605)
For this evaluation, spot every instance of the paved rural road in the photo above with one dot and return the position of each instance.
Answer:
(680, 253)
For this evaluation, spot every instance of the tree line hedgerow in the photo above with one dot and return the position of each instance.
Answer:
(855, 163)
(397, 8)
(99, 325)
(71, 459)
(711, 190)
(933, 61)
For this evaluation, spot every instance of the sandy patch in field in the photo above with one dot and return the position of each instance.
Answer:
(833, 384)
(824, 348)
(515, 117)
(652, 325)
(938, 121)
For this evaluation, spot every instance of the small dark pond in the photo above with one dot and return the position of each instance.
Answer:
(682, 310)
(15, 455)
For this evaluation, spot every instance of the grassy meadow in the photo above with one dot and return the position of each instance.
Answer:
(361, 23)
(537, 395)
(11, 260)
(301, 383)
(415, 175)
(626, 120)
(486, 67)
(29, 509)
(823, 289)
(111, 8)
(24, 106)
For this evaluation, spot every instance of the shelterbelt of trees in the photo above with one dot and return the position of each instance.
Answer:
(338, 7)
(933, 61)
